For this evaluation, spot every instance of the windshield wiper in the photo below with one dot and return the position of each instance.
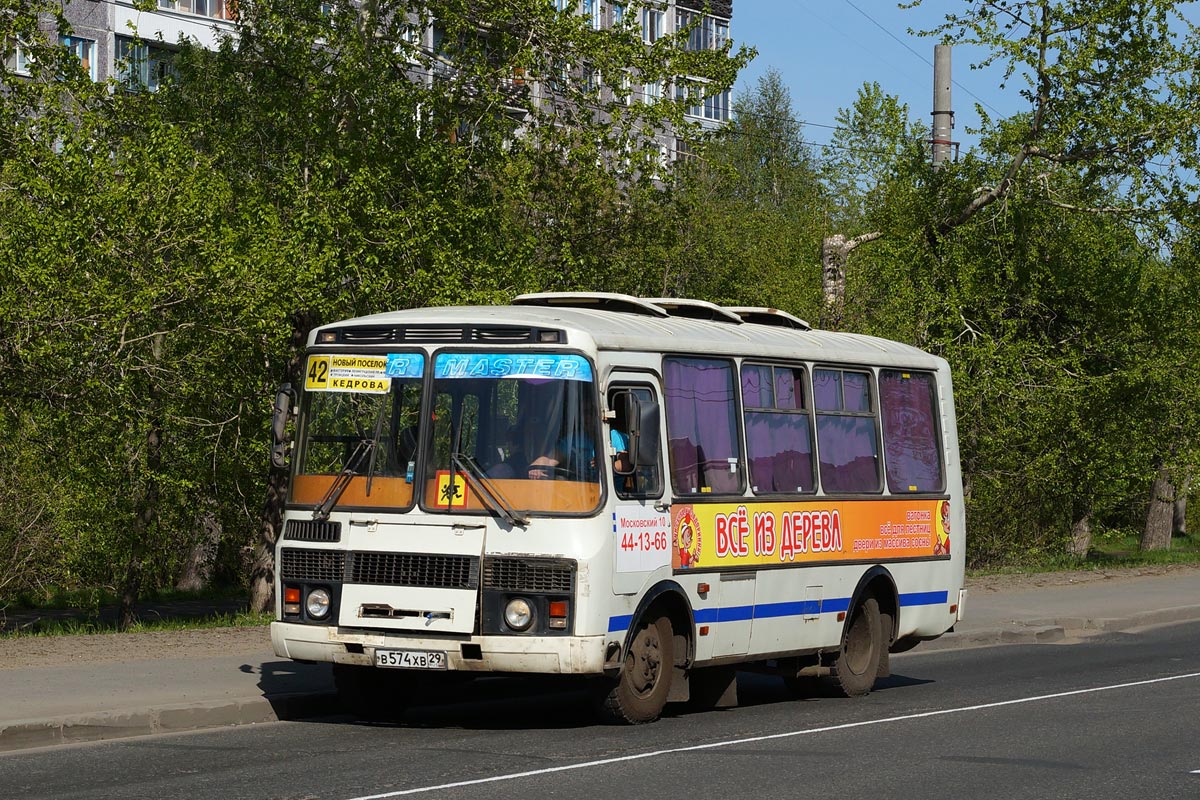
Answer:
(492, 496)
(364, 446)
(375, 446)
(321, 512)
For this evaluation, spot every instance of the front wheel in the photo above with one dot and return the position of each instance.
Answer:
(641, 690)
(857, 662)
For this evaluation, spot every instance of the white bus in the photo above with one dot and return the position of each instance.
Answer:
(652, 492)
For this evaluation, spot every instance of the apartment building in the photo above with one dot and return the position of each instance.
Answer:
(114, 39)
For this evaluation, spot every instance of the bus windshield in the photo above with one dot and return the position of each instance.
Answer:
(357, 442)
(523, 427)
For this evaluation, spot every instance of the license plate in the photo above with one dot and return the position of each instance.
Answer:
(411, 659)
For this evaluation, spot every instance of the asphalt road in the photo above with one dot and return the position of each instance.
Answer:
(1111, 717)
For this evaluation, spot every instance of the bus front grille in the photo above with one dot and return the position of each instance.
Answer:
(529, 575)
(414, 569)
(311, 565)
(311, 530)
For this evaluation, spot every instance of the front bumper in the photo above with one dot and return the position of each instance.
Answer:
(557, 655)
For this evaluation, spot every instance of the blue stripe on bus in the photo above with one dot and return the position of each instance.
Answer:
(923, 598)
(735, 613)
(797, 608)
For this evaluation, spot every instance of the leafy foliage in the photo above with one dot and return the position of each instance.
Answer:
(164, 255)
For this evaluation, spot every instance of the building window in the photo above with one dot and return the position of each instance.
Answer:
(591, 10)
(566, 5)
(653, 91)
(216, 9)
(141, 65)
(709, 33)
(689, 95)
(84, 50)
(618, 14)
(652, 25)
(19, 61)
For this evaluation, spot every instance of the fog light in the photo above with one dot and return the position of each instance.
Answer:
(317, 603)
(518, 614)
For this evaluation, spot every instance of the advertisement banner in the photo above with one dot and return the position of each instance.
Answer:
(740, 534)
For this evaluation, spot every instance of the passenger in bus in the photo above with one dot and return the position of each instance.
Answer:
(527, 454)
(622, 465)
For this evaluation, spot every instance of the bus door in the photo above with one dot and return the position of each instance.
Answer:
(641, 514)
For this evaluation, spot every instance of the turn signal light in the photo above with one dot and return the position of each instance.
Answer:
(558, 614)
(291, 601)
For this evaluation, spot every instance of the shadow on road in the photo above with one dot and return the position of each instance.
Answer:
(512, 703)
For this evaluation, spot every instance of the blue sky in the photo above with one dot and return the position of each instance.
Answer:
(826, 49)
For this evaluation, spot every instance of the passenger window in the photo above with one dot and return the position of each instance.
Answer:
(778, 430)
(911, 444)
(847, 442)
(702, 426)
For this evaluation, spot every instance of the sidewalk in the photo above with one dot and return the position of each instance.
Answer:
(87, 688)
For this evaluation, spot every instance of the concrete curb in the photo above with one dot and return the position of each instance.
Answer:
(103, 725)
(1049, 631)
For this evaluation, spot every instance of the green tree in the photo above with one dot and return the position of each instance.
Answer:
(749, 207)
(171, 251)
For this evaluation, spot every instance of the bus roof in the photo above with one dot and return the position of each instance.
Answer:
(621, 322)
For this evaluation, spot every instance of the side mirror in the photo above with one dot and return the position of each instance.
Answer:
(283, 409)
(641, 423)
(645, 444)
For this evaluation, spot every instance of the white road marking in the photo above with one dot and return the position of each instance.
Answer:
(768, 737)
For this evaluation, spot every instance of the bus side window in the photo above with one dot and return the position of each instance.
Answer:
(702, 423)
(632, 477)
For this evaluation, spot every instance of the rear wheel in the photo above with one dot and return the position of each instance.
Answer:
(642, 688)
(857, 662)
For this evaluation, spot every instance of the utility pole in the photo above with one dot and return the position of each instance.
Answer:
(943, 117)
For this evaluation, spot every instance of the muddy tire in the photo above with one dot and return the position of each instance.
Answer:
(857, 663)
(640, 692)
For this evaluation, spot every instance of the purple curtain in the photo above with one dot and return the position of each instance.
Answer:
(780, 451)
(701, 424)
(848, 453)
(910, 432)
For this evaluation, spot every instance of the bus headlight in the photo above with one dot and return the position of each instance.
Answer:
(518, 614)
(317, 603)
